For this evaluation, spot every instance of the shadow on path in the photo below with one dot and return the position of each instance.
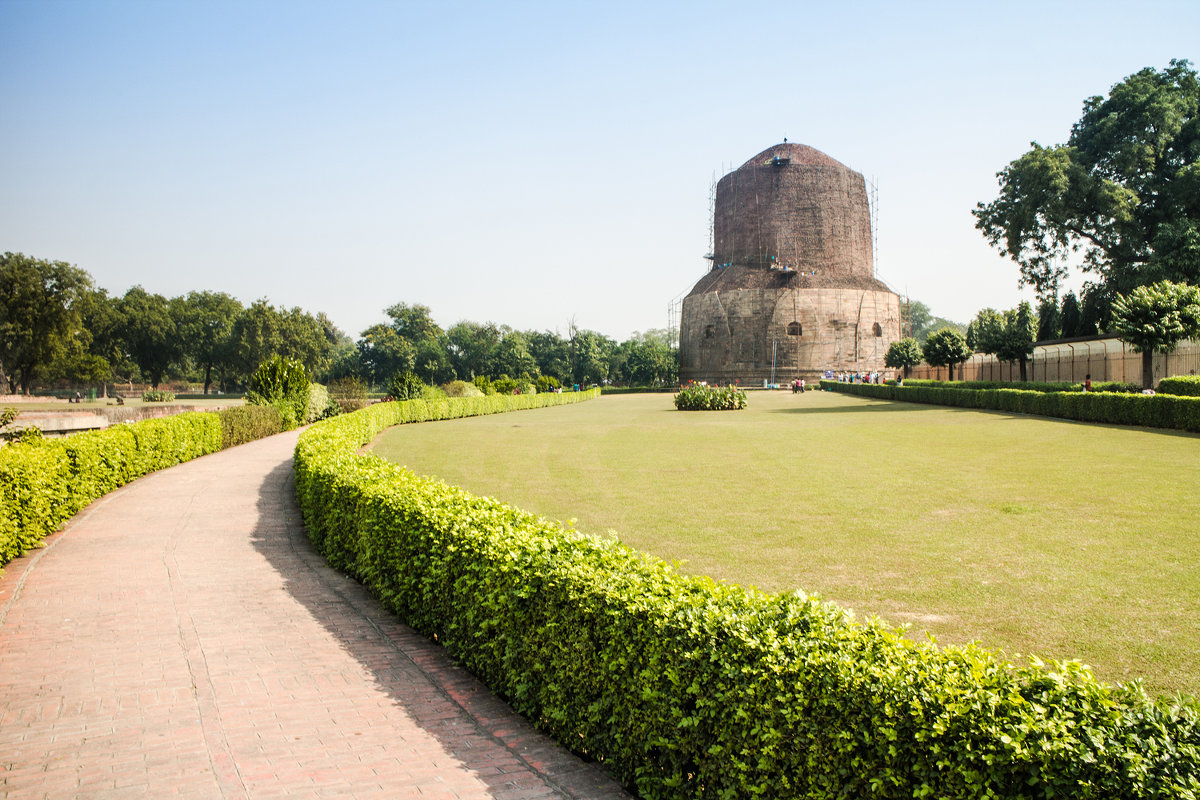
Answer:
(480, 731)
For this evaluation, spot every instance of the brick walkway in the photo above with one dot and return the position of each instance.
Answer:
(181, 639)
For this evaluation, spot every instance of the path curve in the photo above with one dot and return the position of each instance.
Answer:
(180, 637)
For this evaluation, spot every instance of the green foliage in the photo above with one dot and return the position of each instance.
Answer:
(1156, 317)
(1030, 386)
(39, 314)
(44, 482)
(505, 385)
(241, 424)
(283, 383)
(547, 383)
(149, 333)
(1183, 385)
(349, 393)
(945, 348)
(1121, 190)
(405, 386)
(320, 405)
(903, 354)
(685, 688)
(462, 389)
(158, 396)
(1114, 408)
(1070, 316)
(697, 397)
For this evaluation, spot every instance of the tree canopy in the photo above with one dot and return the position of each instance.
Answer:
(903, 354)
(945, 348)
(1123, 193)
(39, 314)
(1156, 318)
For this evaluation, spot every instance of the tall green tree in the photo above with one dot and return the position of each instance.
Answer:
(1048, 320)
(903, 354)
(385, 353)
(472, 348)
(205, 322)
(1156, 318)
(1070, 316)
(413, 322)
(39, 314)
(1123, 192)
(552, 353)
(513, 357)
(149, 332)
(945, 348)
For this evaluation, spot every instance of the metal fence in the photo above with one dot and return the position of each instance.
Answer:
(1102, 358)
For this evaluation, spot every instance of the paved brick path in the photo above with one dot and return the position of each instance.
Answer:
(181, 638)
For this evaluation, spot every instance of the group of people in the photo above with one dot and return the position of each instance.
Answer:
(860, 377)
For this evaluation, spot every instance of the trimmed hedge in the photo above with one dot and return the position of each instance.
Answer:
(241, 424)
(686, 688)
(1028, 386)
(1151, 411)
(1185, 385)
(45, 481)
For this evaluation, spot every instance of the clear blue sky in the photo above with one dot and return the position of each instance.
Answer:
(527, 163)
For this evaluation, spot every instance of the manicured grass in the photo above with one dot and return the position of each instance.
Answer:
(1029, 535)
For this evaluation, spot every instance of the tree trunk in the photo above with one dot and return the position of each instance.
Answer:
(207, 377)
(951, 366)
(1023, 378)
(1147, 369)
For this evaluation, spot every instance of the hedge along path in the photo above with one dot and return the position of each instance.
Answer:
(181, 638)
(684, 687)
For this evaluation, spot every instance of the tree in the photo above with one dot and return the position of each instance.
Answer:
(1070, 316)
(39, 314)
(1124, 191)
(205, 321)
(945, 348)
(1156, 317)
(471, 348)
(552, 354)
(413, 322)
(513, 356)
(1048, 327)
(1017, 336)
(903, 354)
(384, 353)
(149, 333)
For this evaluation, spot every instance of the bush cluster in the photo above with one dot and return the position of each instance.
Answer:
(282, 383)
(44, 481)
(158, 396)
(686, 688)
(697, 397)
(1114, 408)
(241, 424)
(1030, 386)
(1185, 385)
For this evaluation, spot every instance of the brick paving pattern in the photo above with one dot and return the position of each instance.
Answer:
(180, 638)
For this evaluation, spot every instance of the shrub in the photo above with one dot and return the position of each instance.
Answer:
(158, 396)
(349, 393)
(1113, 408)
(1184, 385)
(462, 389)
(505, 385)
(405, 386)
(547, 383)
(43, 482)
(432, 394)
(320, 405)
(686, 688)
(484, 384)
(282, 383)
(241, 424)
(697, 397)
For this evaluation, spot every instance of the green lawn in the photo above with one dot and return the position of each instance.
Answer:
(1029, 535)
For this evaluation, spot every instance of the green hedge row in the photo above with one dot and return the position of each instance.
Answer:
(44, 481)
(1029, 386)
(1186, 385)
(686, 688)
(1151, 411)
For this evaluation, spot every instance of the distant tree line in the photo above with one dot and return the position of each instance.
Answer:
(58, 327)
